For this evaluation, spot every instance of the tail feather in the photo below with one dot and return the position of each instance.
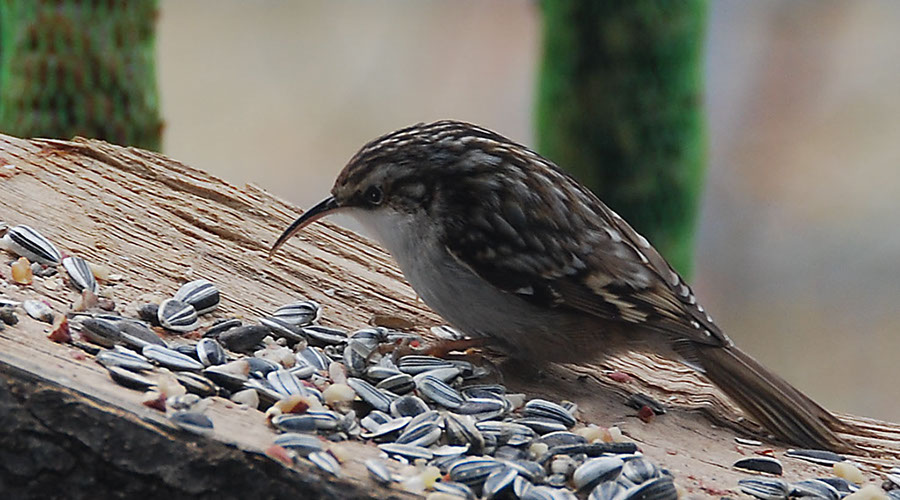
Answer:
(777, 405)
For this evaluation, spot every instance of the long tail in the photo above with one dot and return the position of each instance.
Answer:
(774, 403)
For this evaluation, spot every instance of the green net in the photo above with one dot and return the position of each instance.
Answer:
(619, 106)
(79, 67)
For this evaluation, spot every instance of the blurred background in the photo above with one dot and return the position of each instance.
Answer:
(797, 253)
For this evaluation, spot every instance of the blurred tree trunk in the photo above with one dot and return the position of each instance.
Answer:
(79, 67)
(619, 107)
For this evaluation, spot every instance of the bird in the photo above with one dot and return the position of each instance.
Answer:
(507, 247)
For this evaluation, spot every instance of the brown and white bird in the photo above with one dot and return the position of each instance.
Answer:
(505, 245)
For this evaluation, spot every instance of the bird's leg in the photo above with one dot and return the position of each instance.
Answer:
(442, 348)
(439, 348)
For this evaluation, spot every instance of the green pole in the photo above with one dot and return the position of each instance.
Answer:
(619, 107)
(79, 67)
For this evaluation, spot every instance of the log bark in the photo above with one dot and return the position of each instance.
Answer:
(68, 430)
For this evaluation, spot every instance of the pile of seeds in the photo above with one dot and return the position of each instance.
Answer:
(318, 385)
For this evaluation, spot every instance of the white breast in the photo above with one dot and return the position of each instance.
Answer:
(461, 297)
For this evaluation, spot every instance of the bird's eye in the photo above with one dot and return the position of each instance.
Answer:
(373, 195)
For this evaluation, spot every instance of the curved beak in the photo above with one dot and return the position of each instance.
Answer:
(323, 208)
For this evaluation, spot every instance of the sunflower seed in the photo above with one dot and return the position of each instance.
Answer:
(461, 430)
(293, 423)
(300, 313)
(264, 392)
(541, 408)
(843, 486)
(80, 274)
(177, 316)
(324, 335)
(136, 334)
(355, 357)
(231, 375)
(473, 471)
(596, 470)
(369, 337)
(130, 361)
(379, 373)
(424, 434)
(186, 349)
(280, 329)
(447, 450)
(38, 310)
(497, 481)
(414, 364)
(303, 444)
(453, 488)
(302, 372)
(130, 379)
(325, 419)
(521, 486)
(814, 489)
(197, 384)
(201, 294)
(607, 491)
(446, 375)
(220, 327)
(766, 465)
(401, 383)
(25, 241)
(185, 402)
(431, 416)
(406, 451)
(379, 472)
(408, 406)
(485, 391)
(387, 428)
(640, 400)
(325, 461)
(639, 470)
(821, 457)
(170, 359)
(285, 383)
(197, 423)
(439, 392)
(529, 469)
(661, 488)
(507, 433)
(210, 352)
(484, 409)
(560, 438)
(243, 338)
(374, 420)
(149, 313)
(100, 331)
(765, 488)
(260, 367)
(315, 357)
(376, 398)
(547, 493)
(447, 332)
(542, 425)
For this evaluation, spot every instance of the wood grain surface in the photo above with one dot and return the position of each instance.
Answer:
(157, 223)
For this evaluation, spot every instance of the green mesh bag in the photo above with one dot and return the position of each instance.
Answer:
(619, 107)
(79, 67)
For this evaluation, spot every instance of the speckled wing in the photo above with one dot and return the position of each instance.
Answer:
(550, 241)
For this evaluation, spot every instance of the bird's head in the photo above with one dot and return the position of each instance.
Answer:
(404, 172)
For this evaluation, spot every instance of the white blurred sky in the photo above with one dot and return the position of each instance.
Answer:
(799, 251)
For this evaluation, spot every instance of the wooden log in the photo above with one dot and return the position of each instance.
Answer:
(157, 223)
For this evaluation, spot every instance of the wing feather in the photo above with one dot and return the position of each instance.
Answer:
(568, 250)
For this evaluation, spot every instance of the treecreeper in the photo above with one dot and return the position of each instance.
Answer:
(507, 247)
